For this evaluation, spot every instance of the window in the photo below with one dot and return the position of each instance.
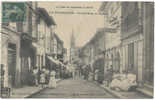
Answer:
(130, 17)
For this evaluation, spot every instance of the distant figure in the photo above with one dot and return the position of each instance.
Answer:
(86, 72)
(73, 73)
(42, 78)
(96, 75)
(2, 75)
(99, 64)
(47, 76)
(36, 74)
(52, 82)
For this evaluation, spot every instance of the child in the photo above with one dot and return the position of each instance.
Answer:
(42, 79)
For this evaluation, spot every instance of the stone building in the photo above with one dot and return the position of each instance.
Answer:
(11, 48)
(90, 52)
(148, 31)
(131, 43)
(137, 41)
(28, 37)
(85, 54)
(112, 32)
(57, 46)
(10, 54)
(65, 56)
(45, 23)
(25, 45)
(132, 39)
(60, 46)
(56, 57)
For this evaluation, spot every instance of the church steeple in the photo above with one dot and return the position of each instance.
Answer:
(72, 40)
(72, 47)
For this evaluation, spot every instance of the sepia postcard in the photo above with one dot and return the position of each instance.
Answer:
(53, 49)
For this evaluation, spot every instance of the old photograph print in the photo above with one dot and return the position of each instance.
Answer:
(77, 50)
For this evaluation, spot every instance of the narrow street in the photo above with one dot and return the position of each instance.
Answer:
(74, 88)
(80, 49)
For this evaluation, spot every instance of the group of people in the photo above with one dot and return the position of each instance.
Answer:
(97, 74)
(44, 77)
(97, 71)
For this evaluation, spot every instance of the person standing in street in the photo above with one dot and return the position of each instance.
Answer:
(52, 82)
(47, 76)
(100, 67)
(36, 75)
(73, 72)
(86, 72)
(2, 75)
(42, 78)
(96, 75)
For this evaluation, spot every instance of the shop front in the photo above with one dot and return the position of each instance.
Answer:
(10, 57)
(28, 59)
(133, 56)
(53, 64)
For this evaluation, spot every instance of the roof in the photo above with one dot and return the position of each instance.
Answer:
(44, 14)
(58, 39)
(100, 32)
(52, 20)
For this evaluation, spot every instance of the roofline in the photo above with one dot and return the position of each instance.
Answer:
(95, 36)
(44, 14)
(57, 37)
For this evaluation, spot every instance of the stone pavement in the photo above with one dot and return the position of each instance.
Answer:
(74, 88)
(26, 91)
(147, 90)
(126, 94)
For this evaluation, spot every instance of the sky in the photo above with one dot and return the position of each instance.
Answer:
(83, 26)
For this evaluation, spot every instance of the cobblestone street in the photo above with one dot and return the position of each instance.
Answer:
(77, 50)
(79, 88)
(74, 88)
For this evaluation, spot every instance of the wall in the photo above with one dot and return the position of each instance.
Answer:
(14, 38)
(114, 13)
(112, 38)
(132, 39)
(148, 43)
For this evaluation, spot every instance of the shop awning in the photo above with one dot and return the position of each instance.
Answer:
(61, 64)
(53, 60)
(57, 63)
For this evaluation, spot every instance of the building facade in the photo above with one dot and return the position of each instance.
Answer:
(112, 32)
(129, 47)
(28, 37)
(91, 51)
(126, 40)
(45, 23)
(10, 44)
(148, 31)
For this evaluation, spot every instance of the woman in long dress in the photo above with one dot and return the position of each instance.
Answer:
(52, 82)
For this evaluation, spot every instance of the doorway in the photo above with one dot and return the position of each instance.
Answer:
(11, 63)
(131, 57)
